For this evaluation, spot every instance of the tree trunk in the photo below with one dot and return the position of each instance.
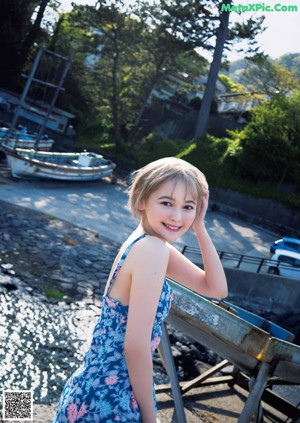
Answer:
(212, 76)
(33, 33)
(55, 36)
(137, 121)
(114, 101)
(283, 176)
(152, 84)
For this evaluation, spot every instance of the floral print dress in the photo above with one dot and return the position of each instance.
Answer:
(100, 390)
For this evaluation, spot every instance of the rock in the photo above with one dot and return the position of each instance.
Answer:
(9, 286)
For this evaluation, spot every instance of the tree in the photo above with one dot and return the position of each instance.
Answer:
(106, 45)
(34, 30)
(196, 24)
(141, 47)
(18, 32)
(266, 77)
(268, 148)
(135, 56)
(168, 47)
(290, 61)
(212, 75)
(76, 33)
(239, 31)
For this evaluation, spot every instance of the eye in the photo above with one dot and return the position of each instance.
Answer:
(189, 207)
(166, 203)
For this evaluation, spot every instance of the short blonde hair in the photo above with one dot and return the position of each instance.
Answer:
(149, 178)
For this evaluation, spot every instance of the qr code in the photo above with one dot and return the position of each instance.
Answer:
(17, 405)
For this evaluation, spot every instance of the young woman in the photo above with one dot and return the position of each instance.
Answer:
(115, 382)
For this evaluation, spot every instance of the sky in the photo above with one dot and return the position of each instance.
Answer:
(283, 27)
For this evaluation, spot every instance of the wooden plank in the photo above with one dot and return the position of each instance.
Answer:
(166, 353)
(218, 380)
(258, 385)
(201, 378)
(270, 397)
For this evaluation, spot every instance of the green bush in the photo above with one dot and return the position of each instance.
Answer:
(93, 135)
(216, 158)
(153, 147)
(208, 156)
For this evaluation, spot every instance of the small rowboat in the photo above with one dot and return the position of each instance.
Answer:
(23, 139)
(32, 164)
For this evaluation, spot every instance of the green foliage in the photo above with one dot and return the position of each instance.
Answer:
(92, 134)
(132, 60)
(55, 293)
(290, 61)
(217, 159)
(208, 155)
(231, 86)
(192, 63)
(50, 217)
(268, 76)
(153, 147)
(268, 148)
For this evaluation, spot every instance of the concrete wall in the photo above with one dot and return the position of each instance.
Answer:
(274, 293)
(270, 214)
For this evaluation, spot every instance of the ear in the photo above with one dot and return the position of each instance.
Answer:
(141, 206)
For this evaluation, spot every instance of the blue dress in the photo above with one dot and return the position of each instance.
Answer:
(100, 390)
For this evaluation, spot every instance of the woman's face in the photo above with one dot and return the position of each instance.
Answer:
(169, 211)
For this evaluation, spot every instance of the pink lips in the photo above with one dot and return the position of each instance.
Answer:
(172, 228)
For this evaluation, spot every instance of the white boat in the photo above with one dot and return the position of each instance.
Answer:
(23, 139)
(31, 164)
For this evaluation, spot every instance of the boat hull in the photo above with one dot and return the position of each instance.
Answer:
(28, 164)
(44, 145)
(244, 339)
(22, 139)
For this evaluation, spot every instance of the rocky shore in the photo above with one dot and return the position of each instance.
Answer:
(52, 276)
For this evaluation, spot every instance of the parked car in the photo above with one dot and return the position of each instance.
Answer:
(285, 263)
(286, 243)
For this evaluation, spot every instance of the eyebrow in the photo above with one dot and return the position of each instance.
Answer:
(168, 197)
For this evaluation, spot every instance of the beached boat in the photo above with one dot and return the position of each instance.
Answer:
(260, 351)
(21, 138)
(84, 166)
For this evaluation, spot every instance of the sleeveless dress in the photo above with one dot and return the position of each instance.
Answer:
(100, 390)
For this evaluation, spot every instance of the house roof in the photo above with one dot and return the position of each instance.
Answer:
(14, 98)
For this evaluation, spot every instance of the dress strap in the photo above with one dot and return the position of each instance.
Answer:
(122, 259)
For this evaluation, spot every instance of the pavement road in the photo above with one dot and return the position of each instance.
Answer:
(102, 207)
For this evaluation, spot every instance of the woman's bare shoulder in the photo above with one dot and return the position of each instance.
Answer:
(151, 247)
(153, 242)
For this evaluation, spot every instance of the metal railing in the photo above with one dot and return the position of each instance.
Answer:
(254, 264)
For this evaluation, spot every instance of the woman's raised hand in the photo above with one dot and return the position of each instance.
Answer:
(199, 220)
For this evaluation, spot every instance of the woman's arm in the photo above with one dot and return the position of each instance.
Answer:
(148, 263)
(212, 281)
